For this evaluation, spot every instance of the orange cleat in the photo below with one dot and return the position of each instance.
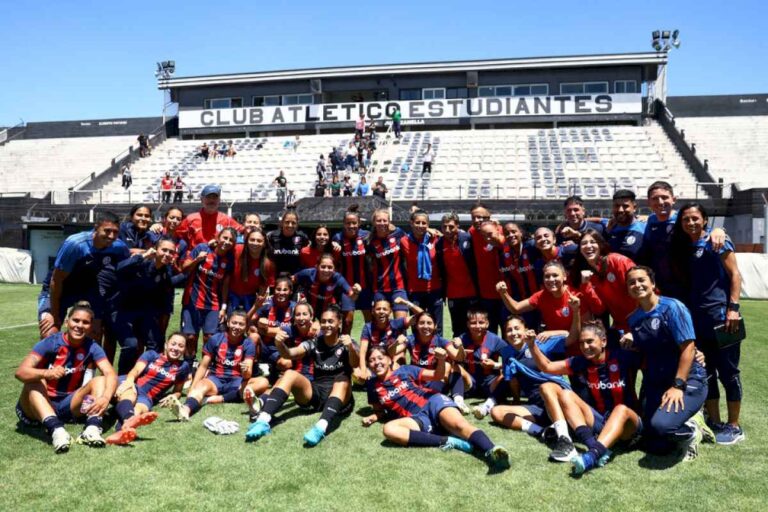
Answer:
(122, 437)
(139, 420)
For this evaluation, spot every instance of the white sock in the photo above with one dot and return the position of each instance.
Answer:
(525, 425)
(263, 416)
(458, 399)
(561, 427)
(322, 425)
(489, 404)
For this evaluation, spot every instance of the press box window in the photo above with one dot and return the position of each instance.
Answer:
(297, 99)
(266, 101)
(584, 88)
(625, 87)
(222, 103)
(433, 94)
(410, 94)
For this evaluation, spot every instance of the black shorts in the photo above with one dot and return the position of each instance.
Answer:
(321, 390)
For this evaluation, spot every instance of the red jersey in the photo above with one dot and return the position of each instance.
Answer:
(166, 184)
(410, 249)
(254, 279)
(610, 284)
(309, 256)
(200, 227)
(487, 258)
(556, 314)
(387, 266)
(460, 285)
(518, 269)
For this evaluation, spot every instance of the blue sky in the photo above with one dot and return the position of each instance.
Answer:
(88, 59)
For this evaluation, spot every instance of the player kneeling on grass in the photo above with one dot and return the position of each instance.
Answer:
(227, 362)
(424, 417)
(53, 375)
(147, 384)
(334, 356)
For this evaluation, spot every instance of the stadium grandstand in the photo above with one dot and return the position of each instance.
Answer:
(521, 133)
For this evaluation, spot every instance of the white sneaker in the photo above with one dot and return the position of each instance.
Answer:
(463, 407)
(61, 440)
(179, 410)
(691, 446)
(480, 411)
(91, 436)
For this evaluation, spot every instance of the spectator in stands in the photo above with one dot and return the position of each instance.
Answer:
(178, 190)
(127, 180)
(335, 186)
(166, 185)
(215, 150)
(335, 162)
(367, 159)
(231, 152)
(570, 231)
(362, 188)
(396, 116)
(204, 151)
(223, 150)
(380, 189)
(281, 183)
(296, 144)
(321, 188)
(625, 232)
(320, 168)
(360, 126)
(290, 198)
(350, 161)
(428, 156)
(143, 145)
(348, 188)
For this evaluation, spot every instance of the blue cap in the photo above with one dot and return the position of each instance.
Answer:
(210, 189)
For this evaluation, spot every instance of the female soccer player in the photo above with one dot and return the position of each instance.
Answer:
(54, 393)
(714, 284)
(484, 243)
(520, 266)
(424, 283)
(334, 355)
(135, 232)
(209, 273)
(251, 221)
(544, 240)
(147, 385)
(275, 314)
(354, 268)
(674, 383)
(322, 286)
(423, 417)
(321, 244)
(248, 284)
(456, 256)
(285, 243)
(227, 362)
(383, 250)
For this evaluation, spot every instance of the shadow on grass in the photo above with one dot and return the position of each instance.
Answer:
(658, 462)
(35, 432)
(492, 470)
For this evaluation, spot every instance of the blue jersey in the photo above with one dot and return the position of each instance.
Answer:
(656, 254)
(609, 383)
(143, 286)
(403, 393)
(423, 354)
(658, 335)
(383, 337)
(135, 240)
(227, 355)
(519, 365)
(474, 353)
(710, 284)
(627, 240)
(55, 350)
(160, 375)
(585, 225)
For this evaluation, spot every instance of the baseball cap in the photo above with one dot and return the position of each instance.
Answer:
(210, 189)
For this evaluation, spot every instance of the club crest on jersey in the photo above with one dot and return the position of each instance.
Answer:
(339, 351)
(392, 240)
(256, 272)
(106, 260)
(506, 255)
(219, 227)
(566, 311)
(614, 367)
(238, 352)
(611, 277)
(630, 240)
(223, 264)
(80, 356)
(670, 227)
(329, 287)
(157, 279)
(296, 239)
(699, 252)
(655, 323)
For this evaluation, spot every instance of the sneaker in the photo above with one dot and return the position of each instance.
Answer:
(256, 430)
(498, 457)
(253, 402)
(549, 437)
(125, 435)
(140, 420)
(707, 433)
(602, 461)
(178, 410)
(583, 463)
(455, 443)
(563, 451)
(314, 436)
(690, 446)
(463, 407)
(61, 440)
(91, 436)
(730, 434)
(480, 411)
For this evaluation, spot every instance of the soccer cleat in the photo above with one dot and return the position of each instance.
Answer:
(91, 436)
(730, 434)
(314, 436)
(179, 410)
(140, 420)
(549, 437)
(463, 407)
(708, 434)
(480, 411)
(498, 457)
(563, 450)
(125, 435)
(257, 430)
(584, 462)
(455, 443)
(690, 446)
(602, 461)
(61, 440)
(253, 402)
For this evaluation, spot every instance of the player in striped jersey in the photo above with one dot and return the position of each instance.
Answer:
(54, 391)
(387, 265)
(517, 258)
(322, 286)
(148, 384)
(418, 416)
(354, 267)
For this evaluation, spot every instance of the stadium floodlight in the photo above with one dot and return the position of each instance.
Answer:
(656, 34)
(665, 40)
(665, 34)
(656, 45)
(165, 69)
(676, 39)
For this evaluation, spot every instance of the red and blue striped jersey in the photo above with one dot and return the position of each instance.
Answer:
(423, 354)
(383, 337)
(403, 393)
(353, 263)
(517, 267)
(474, 353)
(160, 374)
(254, 280)
(410, 249)
(55, 350)
(321, 295)
(226, 355)
(386, 263)
(607, 382)
(305, 365)
(205, 282)
(276, 315)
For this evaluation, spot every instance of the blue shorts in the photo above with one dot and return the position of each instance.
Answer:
(536, 409)
(602, 419)
(61, 407)
(141, 398)
(241, 301)
(429, 417)
(481, 390)
(390, 297)
(364, 301)
(193, 320)
(226, 385)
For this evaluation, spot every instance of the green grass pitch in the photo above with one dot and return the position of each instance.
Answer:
(174, 466)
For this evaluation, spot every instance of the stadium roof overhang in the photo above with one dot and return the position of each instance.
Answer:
(649, 60)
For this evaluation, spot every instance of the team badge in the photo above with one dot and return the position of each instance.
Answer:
(256, 272)
(614, 368)
(339, 351)
(506, 255)
(630, 240)
(566, 311)
(525, 255)
(224, 264)
(80, 356)
(106, 260)
(465, 244)
(655, 323)
(611, 277)
(699, 252)
(219, 227)
(296, 239)
(670, 227)
(329, 287)
(392, 240)
(157, 279)
(238, 353)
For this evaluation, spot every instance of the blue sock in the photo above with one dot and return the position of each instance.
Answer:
(535, 430)
(51, 423)
(93, 421)
(480, 441)
(193, 405)
(418, 438)
(584, 435)
(124, 409)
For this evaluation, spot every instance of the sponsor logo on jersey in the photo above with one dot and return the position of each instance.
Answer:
(394, 392)
(387, 252)
(162, 371)
(606, 385)
(286, 252)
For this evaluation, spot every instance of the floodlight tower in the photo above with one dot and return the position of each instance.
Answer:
(164, 71)
(663, 41)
